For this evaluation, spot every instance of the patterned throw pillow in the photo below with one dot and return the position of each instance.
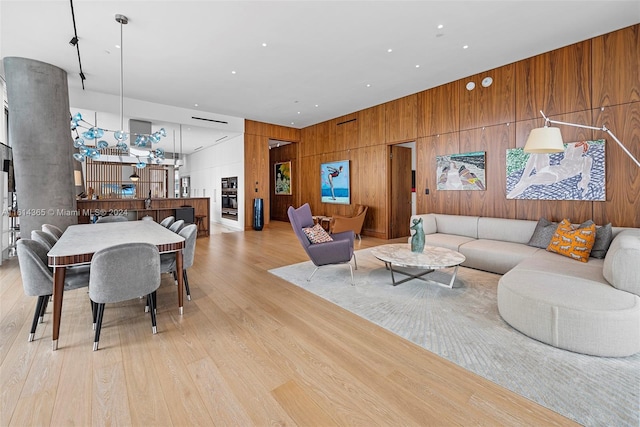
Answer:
(317, 234)
(575, 243)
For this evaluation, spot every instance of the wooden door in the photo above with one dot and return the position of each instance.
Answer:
(400, 191)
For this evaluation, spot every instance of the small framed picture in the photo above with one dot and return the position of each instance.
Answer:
(282, 174)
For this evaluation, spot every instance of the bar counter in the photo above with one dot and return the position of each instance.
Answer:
(134, 209)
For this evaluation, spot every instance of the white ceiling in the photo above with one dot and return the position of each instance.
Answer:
(320, 55)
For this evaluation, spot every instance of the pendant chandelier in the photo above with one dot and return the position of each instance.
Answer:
(91, 132)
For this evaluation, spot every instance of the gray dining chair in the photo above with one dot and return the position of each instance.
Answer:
(168, 261)
(168, 221)
(53, 230)
(177, 226)
(37, 278)
(120, 273)
(44, 238)
(112, 218)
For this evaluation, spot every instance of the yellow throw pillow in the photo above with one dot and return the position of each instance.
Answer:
(572, 242)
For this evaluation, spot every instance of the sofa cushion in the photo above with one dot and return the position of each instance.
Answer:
(620, 266)
(317, 234)
(580, 315)
(543, 233)
(495, 255)
(573, 242)
(449, 241)
(563, 266)
(460, 225)
(507, 230)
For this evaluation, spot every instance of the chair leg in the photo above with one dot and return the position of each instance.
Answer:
(351, 270)
(44, 308)
(36, 316)
(314, 272)
(355, 261)
(152, 310)
(94, 313)
(100, 310)
(186, 284)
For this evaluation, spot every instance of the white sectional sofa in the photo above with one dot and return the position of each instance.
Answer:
(591, 308)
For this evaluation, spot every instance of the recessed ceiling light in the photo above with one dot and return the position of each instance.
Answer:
(264, 45)
(417, 65)
(195, 105)
(466, 46)
(440, 26)
(389, 50)
(486, 82)
(316, 105)
(233, 72)
(368, 85)
(293, 123)
(470, 86)
(117, 46)
(298, 112)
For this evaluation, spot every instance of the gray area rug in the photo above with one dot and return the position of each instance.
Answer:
(463, 325)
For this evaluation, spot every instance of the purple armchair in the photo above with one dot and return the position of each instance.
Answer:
(340, 251)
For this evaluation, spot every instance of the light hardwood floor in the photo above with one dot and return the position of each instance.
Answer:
(250, 349)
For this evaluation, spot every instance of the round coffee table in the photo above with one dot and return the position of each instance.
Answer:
(430, 259)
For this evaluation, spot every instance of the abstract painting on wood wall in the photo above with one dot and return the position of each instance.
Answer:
(576, 174)
(465, 171)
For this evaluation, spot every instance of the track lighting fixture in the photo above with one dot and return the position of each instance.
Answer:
(73, 41)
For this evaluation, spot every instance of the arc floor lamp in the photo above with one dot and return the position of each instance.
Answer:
(549, 140)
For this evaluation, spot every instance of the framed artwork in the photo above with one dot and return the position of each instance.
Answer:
(465, 171)
(576, 174)
(334, 182)
(282, 174)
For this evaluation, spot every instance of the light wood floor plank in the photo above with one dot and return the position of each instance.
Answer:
(250, 349)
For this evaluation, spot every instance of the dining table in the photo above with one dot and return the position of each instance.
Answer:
(79, 242)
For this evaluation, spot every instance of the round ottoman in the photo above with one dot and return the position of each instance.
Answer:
(571, 313)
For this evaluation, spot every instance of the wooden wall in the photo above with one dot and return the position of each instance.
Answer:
(257, 165)
(594, 82)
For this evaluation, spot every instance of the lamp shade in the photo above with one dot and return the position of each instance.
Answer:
(544, 140)
(134, 177)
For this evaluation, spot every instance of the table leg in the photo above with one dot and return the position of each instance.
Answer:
(58, 292)
(411, 276)
(180, 280)
(389, 267)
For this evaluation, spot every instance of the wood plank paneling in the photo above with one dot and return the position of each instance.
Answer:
(346, 132)
(256, 176)
(282, 133)
(488, 106)
(494, 141)
(439, 110)
(622, 207)
(371, 126)
(616, 67)
(427, 149)
(554, 82)
(400, 119)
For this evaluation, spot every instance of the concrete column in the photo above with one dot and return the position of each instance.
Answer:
(40, 136)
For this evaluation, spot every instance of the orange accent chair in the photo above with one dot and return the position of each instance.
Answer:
(353, 222)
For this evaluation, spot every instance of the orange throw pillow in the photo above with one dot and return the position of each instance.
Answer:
(572, 242)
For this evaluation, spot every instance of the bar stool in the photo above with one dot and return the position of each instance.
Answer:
(201, 226)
